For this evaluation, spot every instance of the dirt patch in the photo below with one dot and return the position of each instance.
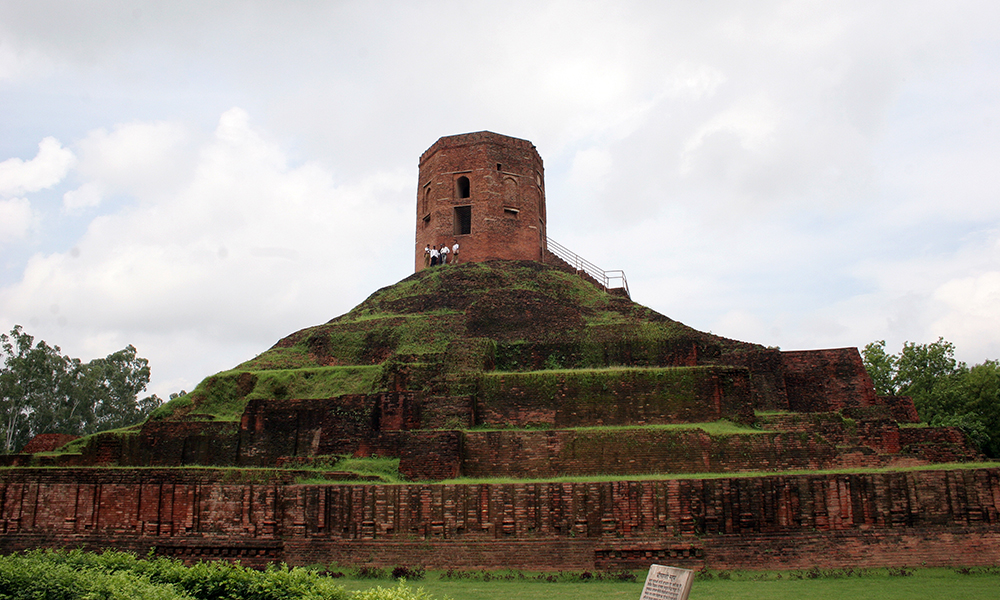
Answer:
(245, 383)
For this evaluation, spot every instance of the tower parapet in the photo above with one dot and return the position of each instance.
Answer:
(484, 191)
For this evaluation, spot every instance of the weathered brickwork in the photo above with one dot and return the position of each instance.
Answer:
(827, 380)
(901, 408)
(791, 521)
(485, 191)
(618, 397)
(47, 442)
(289, 432)
(936, 444)
(543, 454)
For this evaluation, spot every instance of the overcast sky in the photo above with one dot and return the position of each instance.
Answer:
(199, 179)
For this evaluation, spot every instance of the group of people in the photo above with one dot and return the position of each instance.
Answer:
(439, 256)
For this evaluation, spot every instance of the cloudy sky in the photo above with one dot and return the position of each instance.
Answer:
(199, 179)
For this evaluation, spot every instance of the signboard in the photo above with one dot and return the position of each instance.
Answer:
(667, 583)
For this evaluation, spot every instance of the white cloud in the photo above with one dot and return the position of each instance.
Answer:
(142, 160)
(47, 169)
(751, 122)
(15, 219)
(838, 156)
(86, 196)
(695, 82)
(972, 317)
(590, 167)
(248, 248)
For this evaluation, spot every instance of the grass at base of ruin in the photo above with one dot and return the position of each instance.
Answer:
(714, 475)
(876, 584)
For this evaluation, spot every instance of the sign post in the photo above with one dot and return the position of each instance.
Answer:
(667, 583)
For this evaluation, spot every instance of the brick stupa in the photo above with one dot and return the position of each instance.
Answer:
(701, 451)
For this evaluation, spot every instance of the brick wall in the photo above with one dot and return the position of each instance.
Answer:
(932, 517)
(901, 408)
(937, 444)
(767, 380)
(827, 380)
(615, 397)
(544, 454)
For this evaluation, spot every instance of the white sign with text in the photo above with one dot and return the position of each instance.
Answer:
(667, 583)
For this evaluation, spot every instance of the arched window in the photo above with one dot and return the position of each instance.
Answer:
(463, 186)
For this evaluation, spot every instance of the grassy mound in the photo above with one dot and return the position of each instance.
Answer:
(433, 330)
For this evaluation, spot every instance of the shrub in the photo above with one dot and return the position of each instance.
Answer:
(60, 574)
(398, 592)
(411, 573)
(366, 572)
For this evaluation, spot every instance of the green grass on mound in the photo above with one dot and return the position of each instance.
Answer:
(224, 396)
(383, 467)
(730, 475)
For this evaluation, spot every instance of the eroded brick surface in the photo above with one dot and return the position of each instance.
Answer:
(932, 517)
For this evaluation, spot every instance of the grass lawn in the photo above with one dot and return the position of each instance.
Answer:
(878, 585)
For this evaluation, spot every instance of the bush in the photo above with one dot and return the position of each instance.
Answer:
(410, 573)
(60, 574)
(398, 592)
(366, 572)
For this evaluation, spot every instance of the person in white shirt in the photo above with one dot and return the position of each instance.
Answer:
(454, 253)
(444, 254)
(434, 256)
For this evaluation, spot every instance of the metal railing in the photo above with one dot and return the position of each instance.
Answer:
(582, 265)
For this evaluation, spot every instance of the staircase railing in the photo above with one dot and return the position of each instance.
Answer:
(583, 265)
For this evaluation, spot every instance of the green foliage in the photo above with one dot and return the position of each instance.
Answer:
(43, 391)
(945, 391)
(881, 367)
(400, 591)
(73, 574)
(115, 383)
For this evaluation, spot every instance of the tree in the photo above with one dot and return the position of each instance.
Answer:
(982, 402)
(43, 391)
(114, 383)
(881, 367)
(33, 385)
(946, 392)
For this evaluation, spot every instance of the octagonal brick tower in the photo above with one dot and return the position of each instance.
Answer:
(485, 191)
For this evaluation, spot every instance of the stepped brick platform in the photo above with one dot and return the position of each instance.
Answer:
(936, 518)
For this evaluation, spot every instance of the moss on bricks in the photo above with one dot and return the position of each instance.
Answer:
(224, 396)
